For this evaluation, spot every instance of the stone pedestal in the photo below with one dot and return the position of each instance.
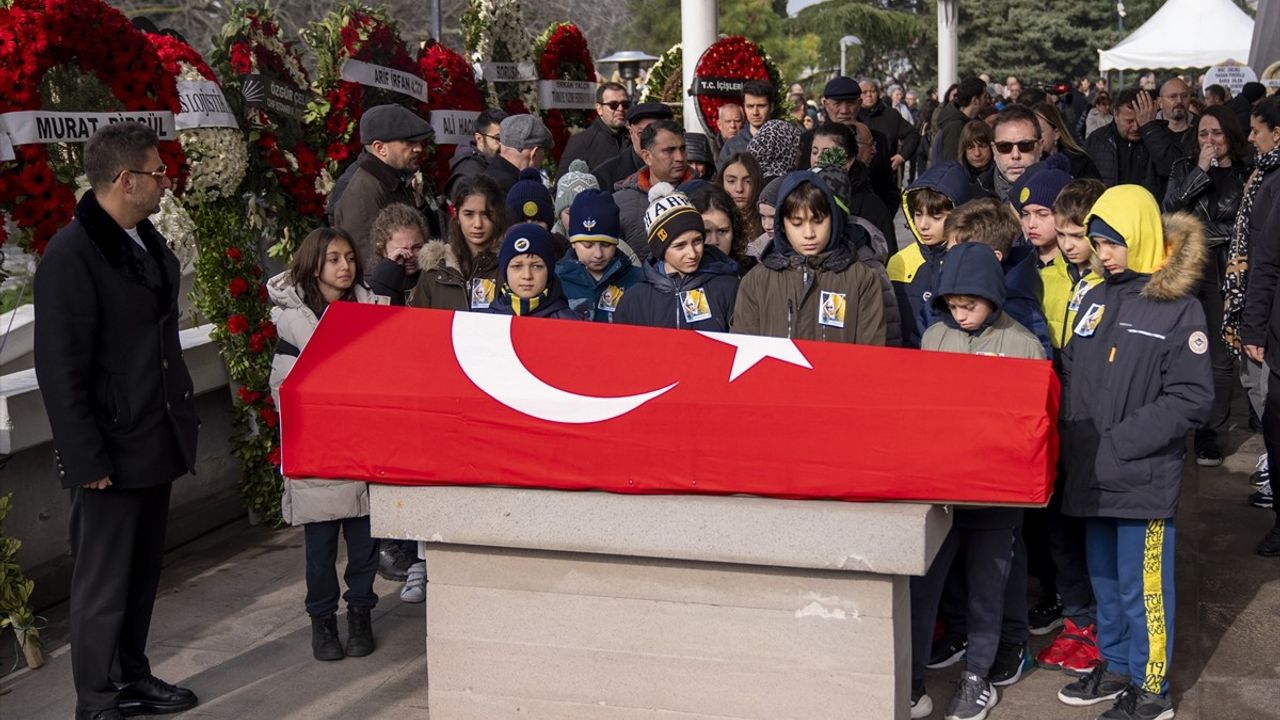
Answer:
(547, 604)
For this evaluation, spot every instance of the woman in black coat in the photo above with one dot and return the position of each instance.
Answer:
(1254, 250)
(1210, 187)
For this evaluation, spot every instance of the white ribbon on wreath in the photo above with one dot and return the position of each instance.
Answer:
(504, 19)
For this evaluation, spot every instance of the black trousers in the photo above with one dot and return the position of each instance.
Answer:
(1209, 293)
(1271, 433)
(987, 557)
(117, 538)
(321, 543)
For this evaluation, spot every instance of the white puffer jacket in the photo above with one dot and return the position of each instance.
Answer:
(308, 500)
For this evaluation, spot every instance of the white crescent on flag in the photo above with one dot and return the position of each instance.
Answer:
(482, 346)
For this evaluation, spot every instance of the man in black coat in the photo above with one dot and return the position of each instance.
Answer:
(120, 404)
(472, 159)
(628, 161)
(900, 138)
(607, 136)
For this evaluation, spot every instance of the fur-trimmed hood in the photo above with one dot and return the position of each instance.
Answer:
(436, 253)
(1187, 250)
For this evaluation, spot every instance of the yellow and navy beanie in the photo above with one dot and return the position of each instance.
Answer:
(670, 215)
(529, 200)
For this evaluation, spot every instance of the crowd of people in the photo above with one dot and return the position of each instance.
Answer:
(1129, 241)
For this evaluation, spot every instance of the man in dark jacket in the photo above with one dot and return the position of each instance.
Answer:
(900, 138)
(394, 138)
(1136, 379)
(1242, 104)
(758, 103)
(607, 136)
(841, 101)
(524, 143)
(628, 161)
(1124, 151)
(120, 404)
(474, 158)
(971, 97)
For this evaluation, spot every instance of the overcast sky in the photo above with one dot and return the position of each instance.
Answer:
(795, 6)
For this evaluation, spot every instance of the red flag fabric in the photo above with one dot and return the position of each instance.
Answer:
(426, 397)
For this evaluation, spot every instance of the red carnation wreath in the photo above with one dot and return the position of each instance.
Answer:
(451, 85)
(284, 170)
(563, 55)
(360, 33)
(101, 61)
(734, 58)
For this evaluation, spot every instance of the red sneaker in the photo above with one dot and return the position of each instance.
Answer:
(1086, 657)
(1064, 646)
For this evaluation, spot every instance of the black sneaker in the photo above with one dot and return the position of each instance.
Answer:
(1012, 660)
(1209, 457)
(947, 651)
(921, 703)
(393, 561)
(1098, 686)
(1270, 545)
(1137, 704)
(973, 699)
(1046, 616)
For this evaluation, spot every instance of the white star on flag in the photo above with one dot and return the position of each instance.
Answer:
(752, 349)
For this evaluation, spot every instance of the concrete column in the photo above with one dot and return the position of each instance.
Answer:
(948, 44)
(699, 25)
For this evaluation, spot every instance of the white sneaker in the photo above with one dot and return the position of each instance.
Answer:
(415, 588)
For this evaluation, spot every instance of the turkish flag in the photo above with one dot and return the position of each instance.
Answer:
(426, 397)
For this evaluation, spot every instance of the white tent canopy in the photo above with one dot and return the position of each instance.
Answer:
(1184, 34)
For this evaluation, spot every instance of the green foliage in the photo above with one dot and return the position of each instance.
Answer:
(888, 35)
(1042, 41)
(655, 26)
(246, 338)
(15, 588)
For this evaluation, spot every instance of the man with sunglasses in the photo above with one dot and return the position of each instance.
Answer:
(628, 161)
(485, 143)
(1017, 146)
(607, 136)
(120, 404)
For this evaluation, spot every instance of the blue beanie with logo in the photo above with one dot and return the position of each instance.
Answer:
(530, 200)
(526, 239)
(594, 217)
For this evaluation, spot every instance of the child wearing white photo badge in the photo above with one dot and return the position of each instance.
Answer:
(810, 283)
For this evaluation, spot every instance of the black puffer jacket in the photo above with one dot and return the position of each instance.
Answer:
(660, 300)
(1214, 197)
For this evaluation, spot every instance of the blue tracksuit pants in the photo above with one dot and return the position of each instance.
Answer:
(1131, 570)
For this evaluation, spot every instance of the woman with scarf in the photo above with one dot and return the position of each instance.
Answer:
(1252, 322)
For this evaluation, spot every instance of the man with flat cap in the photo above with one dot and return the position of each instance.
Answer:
(524, 142)
(841, 100)
(628, 162)
(394, 138)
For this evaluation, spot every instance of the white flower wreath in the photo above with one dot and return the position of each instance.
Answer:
(504, 20)
(218, 156)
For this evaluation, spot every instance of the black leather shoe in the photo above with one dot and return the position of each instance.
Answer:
(153, 696)
(108, 714)
(1270, 545)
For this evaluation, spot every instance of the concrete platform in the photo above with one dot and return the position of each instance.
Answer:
(229, 623)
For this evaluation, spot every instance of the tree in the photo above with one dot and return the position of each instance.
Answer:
(893, 42)
(655, 26)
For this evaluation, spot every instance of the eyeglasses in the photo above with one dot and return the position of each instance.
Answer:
(615, 104)
(158, 174)
(1026, 146)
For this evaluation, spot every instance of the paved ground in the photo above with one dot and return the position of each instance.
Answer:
(229, 624)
